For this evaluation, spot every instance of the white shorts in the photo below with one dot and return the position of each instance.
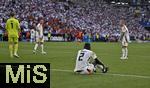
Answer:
(39, 40)
(88, 69)
(124, 43)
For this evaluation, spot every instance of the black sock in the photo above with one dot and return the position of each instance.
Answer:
(98, 62)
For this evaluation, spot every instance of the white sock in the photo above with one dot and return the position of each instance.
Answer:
(100, 66)
(42, 47)
(126, 52)
(35, 47)
(123, 52)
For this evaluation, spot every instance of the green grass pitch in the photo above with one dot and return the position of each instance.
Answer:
(131, 73)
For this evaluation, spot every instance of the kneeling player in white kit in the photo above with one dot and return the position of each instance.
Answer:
(87, 62)
(124, 38)
(39, 37)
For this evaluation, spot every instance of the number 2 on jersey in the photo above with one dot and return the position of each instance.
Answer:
(80, 57)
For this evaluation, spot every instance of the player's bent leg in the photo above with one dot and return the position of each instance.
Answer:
(88, 70)
(98, 64)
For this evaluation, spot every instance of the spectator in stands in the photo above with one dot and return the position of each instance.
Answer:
(99, 17)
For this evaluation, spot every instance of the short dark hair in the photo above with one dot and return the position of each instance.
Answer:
(12, 14)
(87, 46)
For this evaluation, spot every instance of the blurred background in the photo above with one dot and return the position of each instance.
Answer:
(65, 20)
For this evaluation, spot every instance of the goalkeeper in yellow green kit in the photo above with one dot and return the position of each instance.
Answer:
(13, 27)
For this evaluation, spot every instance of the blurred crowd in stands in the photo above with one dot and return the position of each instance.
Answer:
(97, 20)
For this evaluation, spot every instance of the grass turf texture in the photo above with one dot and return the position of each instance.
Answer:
(62, 57)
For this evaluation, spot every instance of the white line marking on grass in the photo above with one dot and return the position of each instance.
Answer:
(111, 74)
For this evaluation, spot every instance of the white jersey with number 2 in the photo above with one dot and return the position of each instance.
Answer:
(83, 58)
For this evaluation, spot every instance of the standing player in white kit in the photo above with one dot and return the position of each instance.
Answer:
(125, 39)
(39, 37)
(87, 61)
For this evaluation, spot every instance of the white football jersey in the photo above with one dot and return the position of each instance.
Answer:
(39, 31)
(83, 58)
(126, 37)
